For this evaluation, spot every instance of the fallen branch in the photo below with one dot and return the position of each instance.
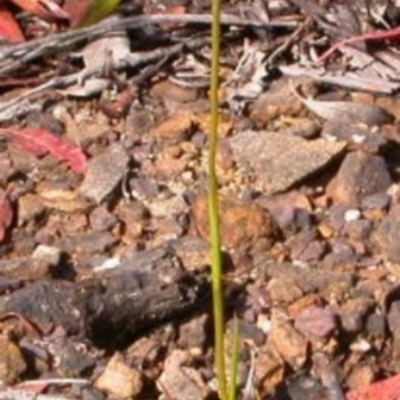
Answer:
(18, 105)
(34, 49)
(390, 34)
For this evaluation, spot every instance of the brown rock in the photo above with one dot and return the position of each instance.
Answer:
(361, 377)
(303, 127)
(167, 168)
(64, 200)
(393, 318)
(175, 129)
(169, 91)
(360, 174)
(358, 136)
(242, 223)
(166, 230)
(140, 122)
(358, 230)
(119, 380)
(12, 364)
(165, 207)
(387, 235)
(278, 290)
(353, 312)
(278, 161)
(193, 334)
(104, 173)
(288, 342)
(299, 242)
(316, 322)
(269, 368)
(87, 242)
(310, 300)
(193, 252)
(180, 382)
(72, 361)
(278, 100)
(376, 326)
(101, 219)
(30, 207)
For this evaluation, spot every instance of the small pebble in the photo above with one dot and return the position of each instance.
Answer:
(352, 215)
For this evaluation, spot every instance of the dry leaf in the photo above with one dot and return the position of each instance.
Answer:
(9, 29)
(43, 8)
(40, 142)
(346, 111)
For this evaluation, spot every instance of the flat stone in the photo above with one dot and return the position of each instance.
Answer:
(279, 161)
(87, 242)
(119, 379)
(316, 321)
(360, 174)
(101, 219)
(387, 235)
(104, 173)
(179, 381)
(193, 334)
(353, 313)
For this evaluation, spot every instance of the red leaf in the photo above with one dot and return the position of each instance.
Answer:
(40, 141)
(9, 29)
(388, 389)
(6, 216)
(44, 8)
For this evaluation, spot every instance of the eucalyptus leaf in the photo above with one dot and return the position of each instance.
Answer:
(346, 111)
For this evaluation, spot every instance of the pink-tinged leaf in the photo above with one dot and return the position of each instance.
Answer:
(6, 216)
(388, 389)
(9, 28)
(43, 8)
(40, 141)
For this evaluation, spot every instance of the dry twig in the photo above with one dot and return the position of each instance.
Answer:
(20, 104)
(14, 55)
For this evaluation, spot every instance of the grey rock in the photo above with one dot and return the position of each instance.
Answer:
(280, 161)
(359, 175)
(316, 321)
(104, 173)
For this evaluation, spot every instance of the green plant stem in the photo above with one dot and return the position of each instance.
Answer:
(213, 207)
(234, 360)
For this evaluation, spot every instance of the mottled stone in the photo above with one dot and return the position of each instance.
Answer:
(242, 223)
(279, 161)
(119, 379)
(12, 363)
(104, 173)
(352, 314)
(101, 219)
(316, 321)
(359, 175)
(393, 318)
(180, 381)
(387, 235)
(358, 230)
(288, 342)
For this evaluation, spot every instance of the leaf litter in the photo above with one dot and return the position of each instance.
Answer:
(104, 225)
